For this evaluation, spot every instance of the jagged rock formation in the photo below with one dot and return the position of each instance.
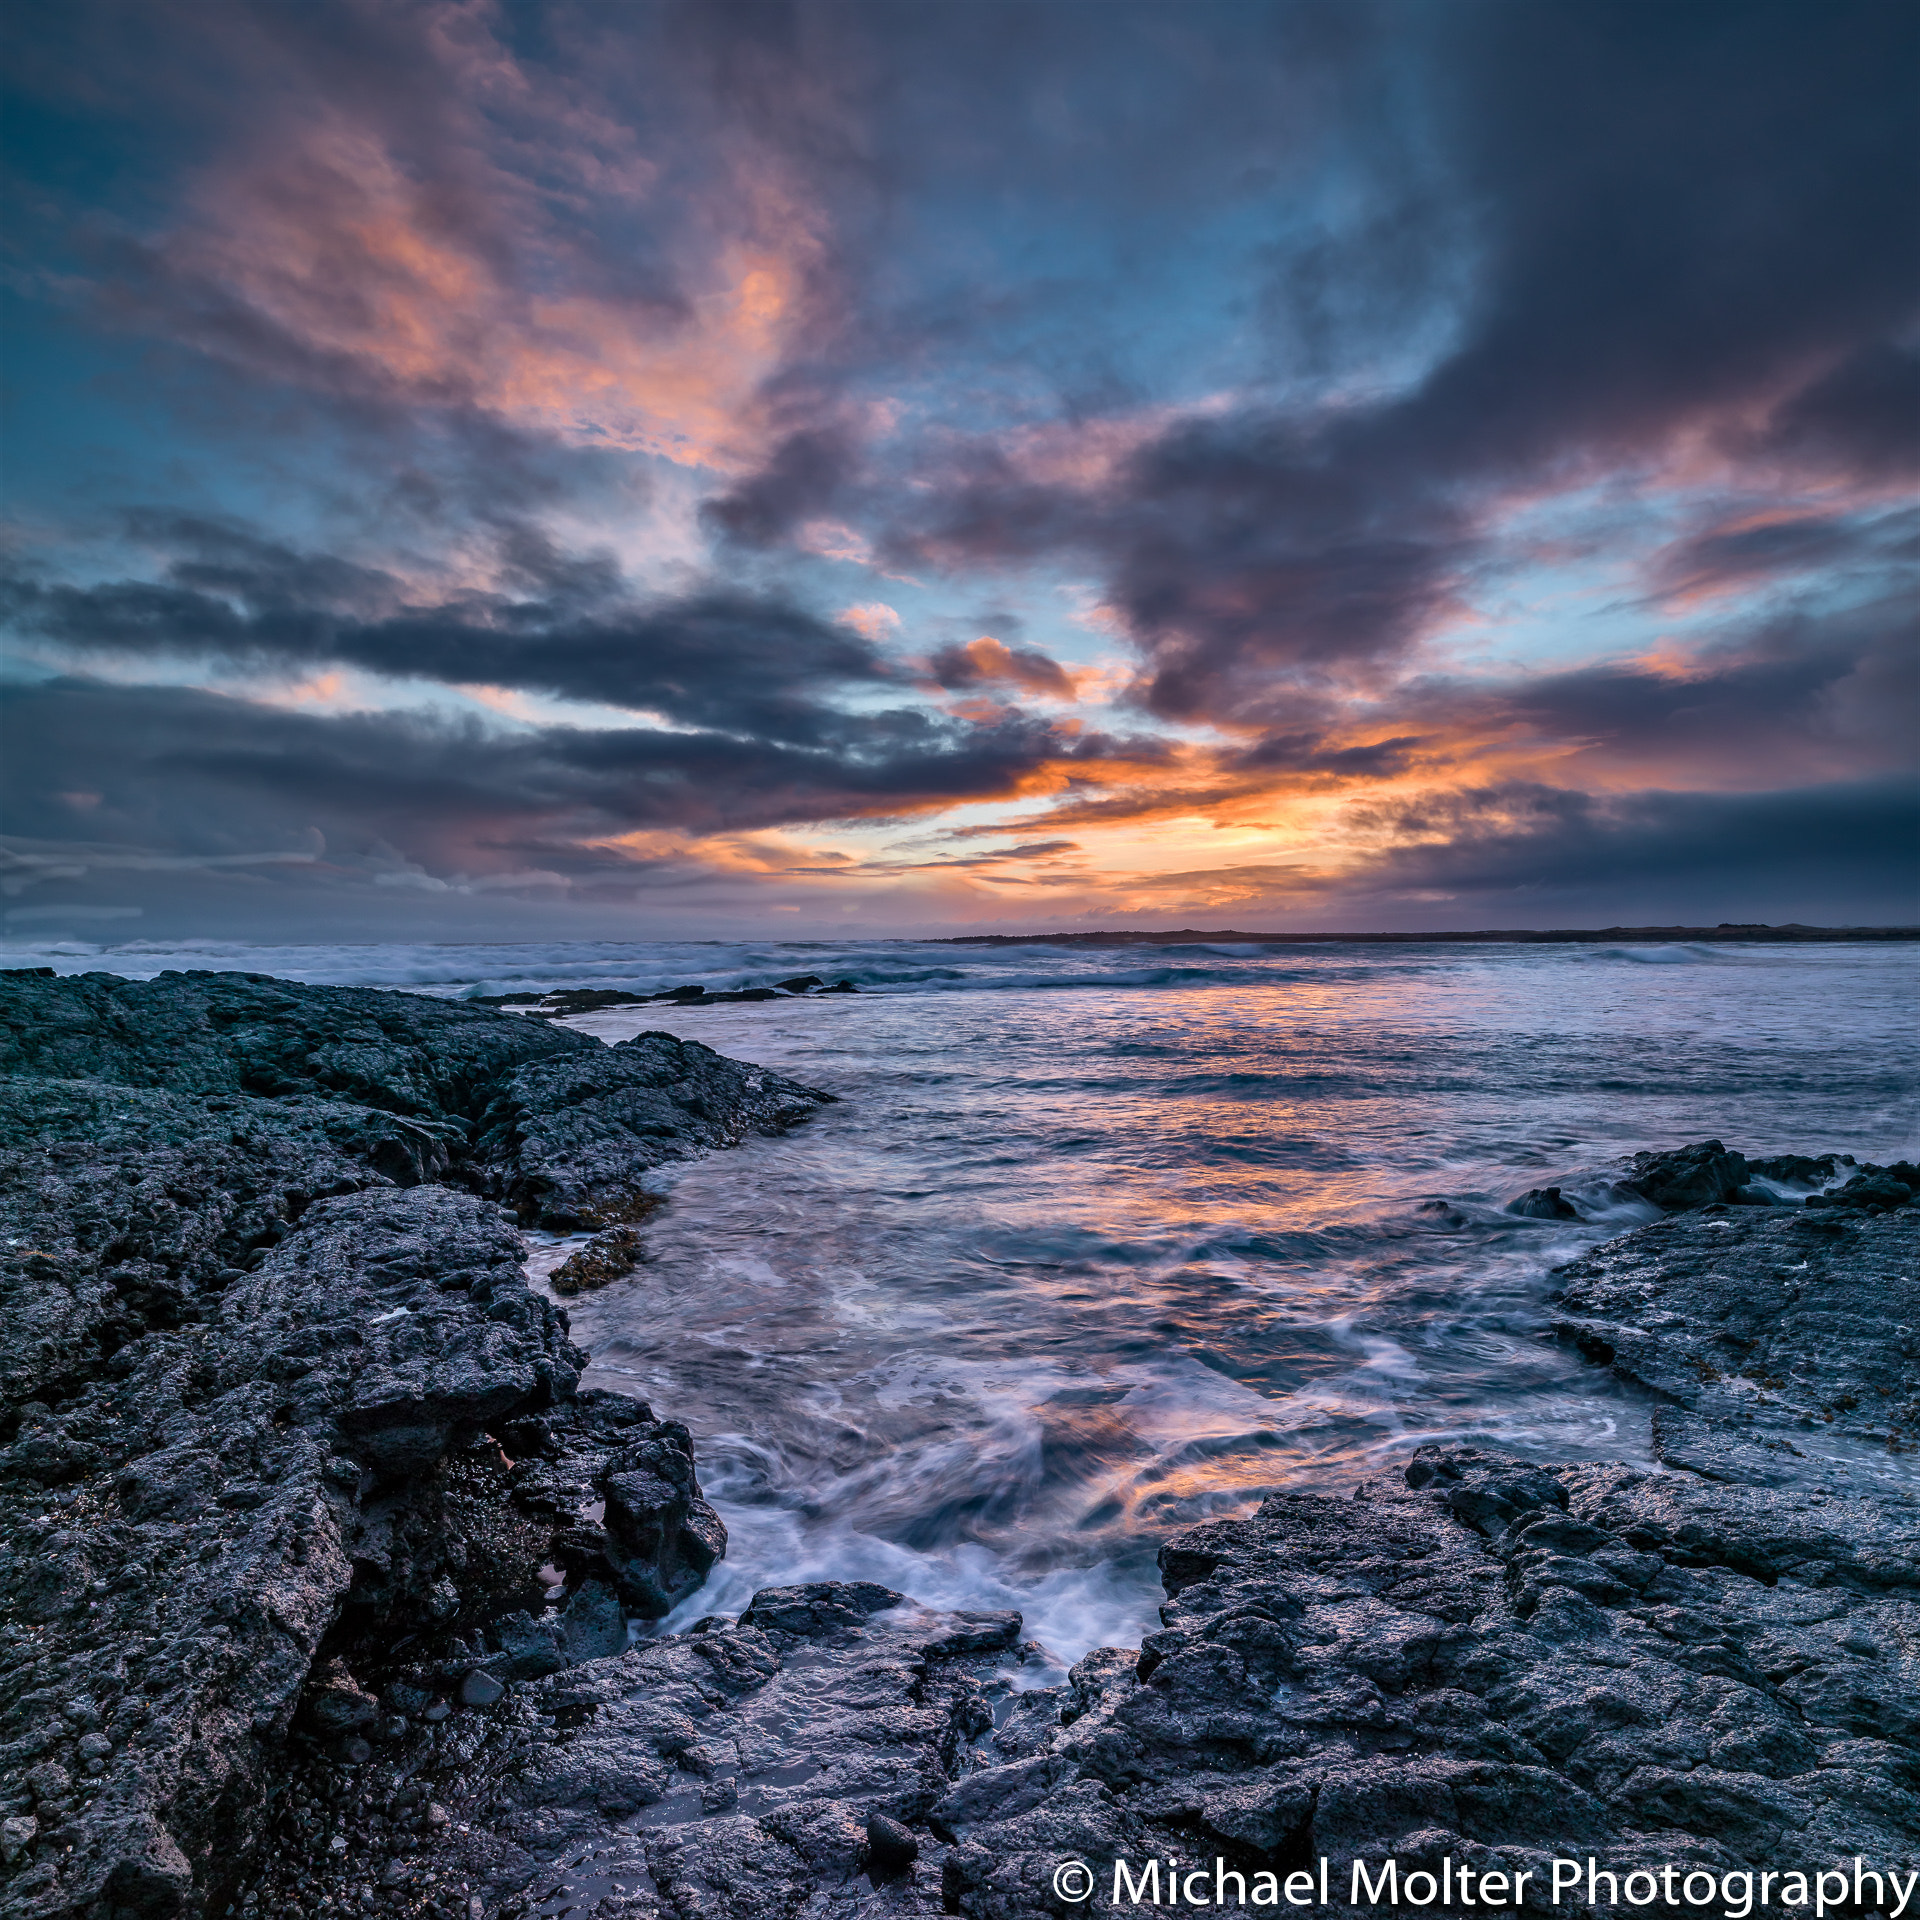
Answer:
(319, 1570)
(261, 1331)
(1693, 1178)
(1497, 1663)
(555, 1123)
(1776, 1340)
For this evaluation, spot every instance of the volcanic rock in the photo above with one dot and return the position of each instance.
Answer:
(295, 1468)
(1873, 1189)
(605, 1258)
(1784, 1343)
(1499, 1663)
(1543, 1203)
(1712, 1666)
(254, 1356)
(1688, 1177)
(573, 1136)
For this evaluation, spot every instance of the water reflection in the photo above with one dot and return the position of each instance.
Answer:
(1068, 1271)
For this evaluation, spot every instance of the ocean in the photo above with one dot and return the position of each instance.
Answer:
(1098, 1243)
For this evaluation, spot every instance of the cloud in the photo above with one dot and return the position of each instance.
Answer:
(1695, 853)
(560, 625)
(1684, 221)
(206, 777)
(800, 483)
(436, 219)
(1856, 419)
(873, 619)
(1518, 401)
(1766, 545)
(989, 662)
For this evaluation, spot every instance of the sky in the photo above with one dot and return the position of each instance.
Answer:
(500, 471)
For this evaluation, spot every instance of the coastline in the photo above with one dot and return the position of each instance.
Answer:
(1495, 936)
(297, 1407)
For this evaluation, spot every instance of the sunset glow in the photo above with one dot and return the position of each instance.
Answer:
(967, 467)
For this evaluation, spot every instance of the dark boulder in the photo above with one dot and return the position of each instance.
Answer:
(1801, 1170)
(605, 1258)
(891, 1847)
(573, 1137)
(1873, 1191)
(822, 1608)
(1543, 1203)
(662, 1537)
(1687, 1177)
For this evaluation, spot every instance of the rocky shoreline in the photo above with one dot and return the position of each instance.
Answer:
(318, 1564)
(561, 1003)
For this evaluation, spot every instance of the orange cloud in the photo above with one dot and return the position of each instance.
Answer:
(331, 248)
(989, 662)
(874, 619)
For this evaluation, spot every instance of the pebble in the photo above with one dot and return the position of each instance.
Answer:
(480, 1689)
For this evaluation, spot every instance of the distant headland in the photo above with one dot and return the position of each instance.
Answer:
(1727, 930)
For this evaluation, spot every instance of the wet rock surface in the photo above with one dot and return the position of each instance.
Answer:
(262, 1326)
(1496, 1662)
(319, 1569)
(1784, 1343)
(573, 1136)
(1706, 1174)
(557, 1124)
(187, 1531)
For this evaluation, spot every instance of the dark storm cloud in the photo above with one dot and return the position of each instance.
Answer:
(1679, 213)
(1524, 842)
(1529, 855)
(988, 662)
(1800, 544)
(1844, 688)
(797, 484)
(188, 772)
(1309, 752)
(722, 659)
(1861, 419)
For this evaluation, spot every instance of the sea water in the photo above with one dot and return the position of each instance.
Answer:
(1098, 1243)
